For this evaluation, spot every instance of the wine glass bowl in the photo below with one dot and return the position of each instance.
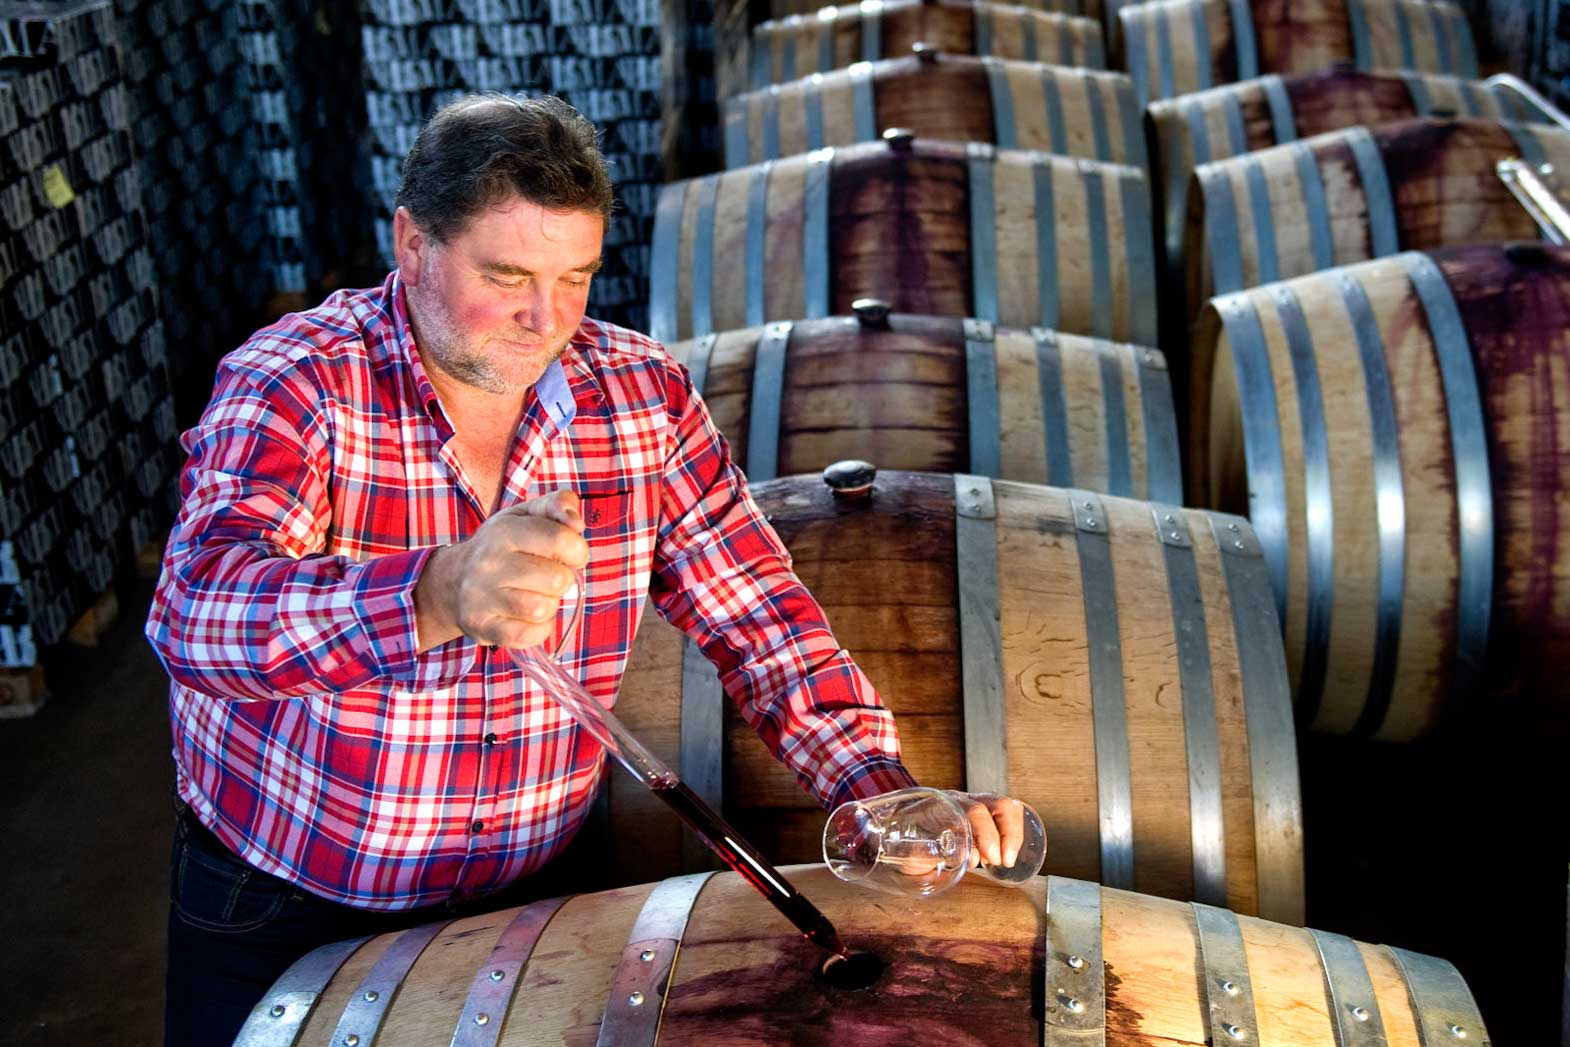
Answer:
(914, 842)
(917, 842)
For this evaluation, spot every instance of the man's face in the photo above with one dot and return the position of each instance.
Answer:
(496, 304)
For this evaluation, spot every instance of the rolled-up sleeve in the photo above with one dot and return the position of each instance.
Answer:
(723, 577)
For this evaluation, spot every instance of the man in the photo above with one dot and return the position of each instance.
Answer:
(387, 489)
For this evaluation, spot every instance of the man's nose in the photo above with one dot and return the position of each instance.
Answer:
(536, 311)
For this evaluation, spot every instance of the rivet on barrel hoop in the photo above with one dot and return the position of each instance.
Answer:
(647, 956)
(1360, 1013)
(1076, 962)
(1235, 1032)
(900, 138)
(851, 478)
(371, 996)
(925, 52)
(277, 1011)
(1458, 1032)
(872, 312)
(636, 999)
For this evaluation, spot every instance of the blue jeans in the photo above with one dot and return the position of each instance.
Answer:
(233, 930)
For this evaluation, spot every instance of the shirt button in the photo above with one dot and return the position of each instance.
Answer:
(493, 647)
(477, 826)
(490, 739)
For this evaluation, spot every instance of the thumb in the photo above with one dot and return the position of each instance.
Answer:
(562, 506)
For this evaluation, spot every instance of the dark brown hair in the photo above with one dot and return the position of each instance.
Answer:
(481, 150)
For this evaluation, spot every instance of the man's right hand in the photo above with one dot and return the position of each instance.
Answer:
(505, 584)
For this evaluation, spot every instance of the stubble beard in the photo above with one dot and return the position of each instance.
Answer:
(465, 360)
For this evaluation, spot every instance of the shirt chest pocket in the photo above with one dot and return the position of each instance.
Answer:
(619, 527)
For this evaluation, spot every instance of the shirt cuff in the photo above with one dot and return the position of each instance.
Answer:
(870, 778)
(384, 598)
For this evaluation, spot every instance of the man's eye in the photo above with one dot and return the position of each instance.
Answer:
(511, 285)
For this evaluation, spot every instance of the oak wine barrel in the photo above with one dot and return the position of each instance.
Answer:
(837, 37)
(1173, 47)
(1356, 194)
(1115, 663)
(1085, 8)
(959, 98)
(951, 229)
(1272, 110)
(704, 959)
(1395, 430)
(941, 394)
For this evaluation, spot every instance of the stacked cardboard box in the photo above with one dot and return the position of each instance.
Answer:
(87, 440)
(601, 55)
(300, 66)
(193, 131)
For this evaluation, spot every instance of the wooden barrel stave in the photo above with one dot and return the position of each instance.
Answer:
(729, 969)
(1515, 306)
(895, 611)
(927, 226)
(1167, 44)
(1274, 110)
(1173, 47)
(1024, 105)
(1418, 184)
(836, 38)
(1302, 36)
(1455, 469)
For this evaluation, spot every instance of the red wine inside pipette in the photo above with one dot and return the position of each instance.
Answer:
(745, 860)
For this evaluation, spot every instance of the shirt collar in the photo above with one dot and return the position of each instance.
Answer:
(408, 352)
(552, 391)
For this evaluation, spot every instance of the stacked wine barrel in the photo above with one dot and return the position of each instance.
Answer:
(937, 248)
(1364, 335)
(931, 211)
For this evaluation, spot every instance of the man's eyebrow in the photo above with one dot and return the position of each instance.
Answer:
(508, 269)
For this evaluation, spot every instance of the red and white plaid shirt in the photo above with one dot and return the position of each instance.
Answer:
(308, 733)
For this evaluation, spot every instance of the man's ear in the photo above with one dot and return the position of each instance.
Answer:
(408, 246)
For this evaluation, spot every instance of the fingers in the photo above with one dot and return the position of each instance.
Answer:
(499, 613)
(518, 567)
(549, 527)
(1009, 815)
(562, 505)
(997, 826)
(984, 835)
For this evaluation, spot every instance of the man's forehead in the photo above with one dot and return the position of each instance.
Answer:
(509, 235)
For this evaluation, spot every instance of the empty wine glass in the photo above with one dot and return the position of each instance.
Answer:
(918, 842)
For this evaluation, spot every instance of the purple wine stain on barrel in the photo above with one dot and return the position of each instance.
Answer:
(929, 987)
